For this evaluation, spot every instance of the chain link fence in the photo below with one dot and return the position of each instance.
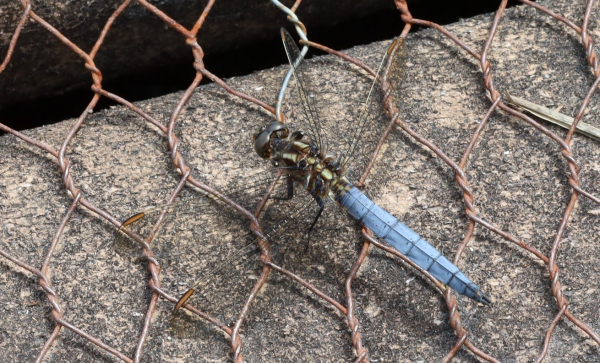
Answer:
(492, 212)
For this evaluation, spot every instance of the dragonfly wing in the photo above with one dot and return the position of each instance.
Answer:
(206, 245)
(370, 125)
(228, 281)
(247, 192)
(307, 93)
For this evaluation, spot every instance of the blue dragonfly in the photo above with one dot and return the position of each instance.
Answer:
(299, 151)
(304, 156)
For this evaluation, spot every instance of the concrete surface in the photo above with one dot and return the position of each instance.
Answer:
(518, 176)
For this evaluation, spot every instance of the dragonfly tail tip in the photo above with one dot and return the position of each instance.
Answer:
(482, 298)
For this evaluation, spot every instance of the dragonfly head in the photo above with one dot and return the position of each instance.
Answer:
(264, 137)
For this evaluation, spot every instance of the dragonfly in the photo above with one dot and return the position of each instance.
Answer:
(303, 160)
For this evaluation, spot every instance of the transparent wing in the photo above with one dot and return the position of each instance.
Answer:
(235, 272)
(246, 193)
(205, 247)
(307, 94)
(371, 124)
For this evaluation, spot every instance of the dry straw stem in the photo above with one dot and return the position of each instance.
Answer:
(553, 116)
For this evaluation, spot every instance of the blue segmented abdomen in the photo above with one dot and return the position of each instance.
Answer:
(409, 243)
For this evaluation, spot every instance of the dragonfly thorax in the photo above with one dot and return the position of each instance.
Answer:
(300, 157)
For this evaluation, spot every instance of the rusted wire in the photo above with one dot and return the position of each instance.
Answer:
(573, 180)
(189, 36)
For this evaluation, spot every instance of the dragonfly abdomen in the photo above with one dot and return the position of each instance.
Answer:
(409, 243)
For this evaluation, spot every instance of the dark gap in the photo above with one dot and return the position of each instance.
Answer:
(238, 62)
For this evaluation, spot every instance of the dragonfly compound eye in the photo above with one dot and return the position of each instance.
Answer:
(262, 139)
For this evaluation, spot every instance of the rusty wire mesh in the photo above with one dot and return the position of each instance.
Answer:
(474, 220)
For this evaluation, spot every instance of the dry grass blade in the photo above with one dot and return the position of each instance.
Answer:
(552, 116)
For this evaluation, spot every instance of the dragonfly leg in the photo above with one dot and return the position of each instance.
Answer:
(290, 190)
(321, 207)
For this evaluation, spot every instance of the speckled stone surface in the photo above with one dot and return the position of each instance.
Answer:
(518, 177)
